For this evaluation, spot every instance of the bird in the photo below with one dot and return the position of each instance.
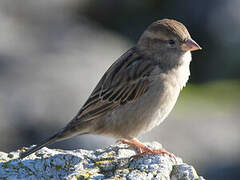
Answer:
(138, 91)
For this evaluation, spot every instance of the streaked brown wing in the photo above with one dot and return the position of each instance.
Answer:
(124, 82)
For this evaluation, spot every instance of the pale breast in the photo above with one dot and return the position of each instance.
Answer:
(183, 71)
(162, 98)
(150, 109)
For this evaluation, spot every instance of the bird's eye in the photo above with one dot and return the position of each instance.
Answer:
(171, 42)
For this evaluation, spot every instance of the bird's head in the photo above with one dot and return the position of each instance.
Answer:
(167, 37)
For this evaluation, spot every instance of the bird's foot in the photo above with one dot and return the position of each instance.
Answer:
(142, 149)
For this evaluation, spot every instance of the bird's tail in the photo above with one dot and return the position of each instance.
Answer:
(59, 136)
(48, 141)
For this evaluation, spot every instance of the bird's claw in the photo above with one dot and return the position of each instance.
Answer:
(145, 150)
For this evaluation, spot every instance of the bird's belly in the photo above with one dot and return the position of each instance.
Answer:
(144, 114)
(161, 100)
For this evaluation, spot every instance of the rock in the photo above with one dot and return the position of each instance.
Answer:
(114, 162)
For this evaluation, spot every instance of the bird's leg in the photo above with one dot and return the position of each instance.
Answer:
(127, 142)
(143, 149)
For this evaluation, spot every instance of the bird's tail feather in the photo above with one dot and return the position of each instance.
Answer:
(59, 136)
(50, 140)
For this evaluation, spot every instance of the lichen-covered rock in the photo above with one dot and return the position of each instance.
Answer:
(114, 162)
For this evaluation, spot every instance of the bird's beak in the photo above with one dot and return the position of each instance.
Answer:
(190, 45)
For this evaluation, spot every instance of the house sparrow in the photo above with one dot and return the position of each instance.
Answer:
(138, 91)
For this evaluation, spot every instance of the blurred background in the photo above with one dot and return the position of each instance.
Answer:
(52, 54)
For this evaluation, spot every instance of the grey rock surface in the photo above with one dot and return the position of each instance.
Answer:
(114, 162)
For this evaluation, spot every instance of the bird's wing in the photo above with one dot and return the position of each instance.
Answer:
(124, 82)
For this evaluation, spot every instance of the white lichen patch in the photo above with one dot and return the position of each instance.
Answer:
(184, 172)
(114, 162)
